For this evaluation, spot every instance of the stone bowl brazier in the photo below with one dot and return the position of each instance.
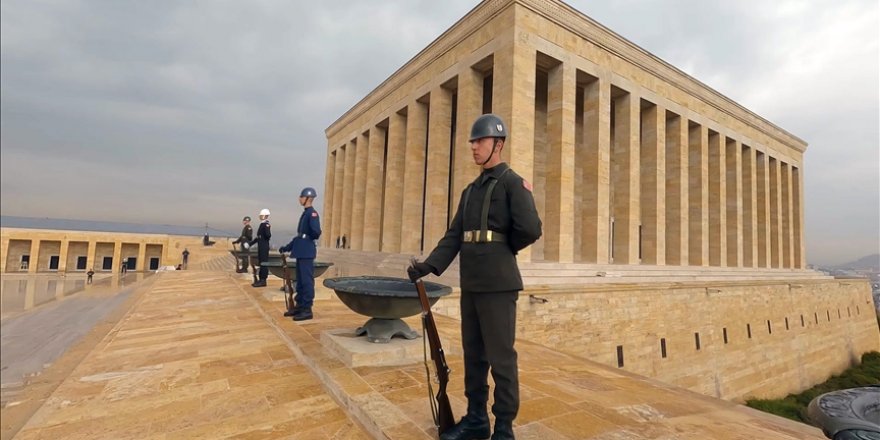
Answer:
(385, 300)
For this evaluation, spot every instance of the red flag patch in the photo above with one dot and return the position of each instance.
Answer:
(527, 185)
(314, 214)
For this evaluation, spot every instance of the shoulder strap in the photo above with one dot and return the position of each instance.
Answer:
(487, 201)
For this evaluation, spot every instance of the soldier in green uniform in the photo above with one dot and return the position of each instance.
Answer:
(496, 218)
(247, 235)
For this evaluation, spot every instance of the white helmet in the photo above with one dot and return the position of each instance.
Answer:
(264, 211)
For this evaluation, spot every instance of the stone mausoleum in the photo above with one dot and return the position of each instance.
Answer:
(673, 217)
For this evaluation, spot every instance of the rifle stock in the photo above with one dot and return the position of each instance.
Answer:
(444, 418)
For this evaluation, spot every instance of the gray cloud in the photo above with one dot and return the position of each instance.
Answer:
(186, 112)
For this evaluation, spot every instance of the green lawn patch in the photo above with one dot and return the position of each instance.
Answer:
(794, 406)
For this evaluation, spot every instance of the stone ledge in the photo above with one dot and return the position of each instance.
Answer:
(356, 351)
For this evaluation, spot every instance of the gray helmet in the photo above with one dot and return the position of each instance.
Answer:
(488, 125)
(246, 218)
(308, 192)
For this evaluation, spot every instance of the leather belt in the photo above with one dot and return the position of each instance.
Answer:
(491, 236)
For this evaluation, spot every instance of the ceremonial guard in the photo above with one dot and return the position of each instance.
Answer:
(264, 233)
(496, 218)
(303, 248)
(247, 235)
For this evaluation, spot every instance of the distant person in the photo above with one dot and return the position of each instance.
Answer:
(124, 267)
(304, 250)
(179, 267)
(343, 241)
(337, 241)
(264, 233)
(247, 235)
(89, 275)
(185, 257)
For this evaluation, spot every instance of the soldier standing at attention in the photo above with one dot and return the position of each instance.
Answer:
(185, 257)
(264, 233)
(496, 218)
(304, 250)
(247, 235)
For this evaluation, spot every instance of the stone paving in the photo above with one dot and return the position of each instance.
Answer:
(204, 355)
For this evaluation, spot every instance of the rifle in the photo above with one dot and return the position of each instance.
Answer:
(440, 408)
(288, 290)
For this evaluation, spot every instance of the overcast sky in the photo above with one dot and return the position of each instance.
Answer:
(190, 112)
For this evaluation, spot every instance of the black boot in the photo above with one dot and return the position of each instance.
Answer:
(259, 283)
(292, 312)
(503, 430)
(303, 314)
(473, 426)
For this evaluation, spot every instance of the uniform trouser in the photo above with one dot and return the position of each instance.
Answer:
(488, 331)
(244, 260)
(305, 282)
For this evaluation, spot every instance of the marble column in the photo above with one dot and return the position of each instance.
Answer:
(90, 255)
(750, 207)
(62, 256)
(698, 195)
(348, 191)
(338, 195)
(775, 214)
(559, 206)
(677, 194)
(375, 182)
(437, 178)
(734, 202)
(469, 108)
(717, 198)
(327, 236)
(763, 197)
(141, 258)
(513, 99)
(414, 178)
(787, 230)
(117, 257)
(4, 253)
(394, 196)
(34, 256)
(625, 180)
(360, 191)
(797, 187)
(653, 184)
(595, 158)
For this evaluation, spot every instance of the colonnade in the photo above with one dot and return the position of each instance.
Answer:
(622, 174)
(33, 255)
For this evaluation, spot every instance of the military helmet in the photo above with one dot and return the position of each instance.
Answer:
(308, 192)
(246, 218)
(488, 125)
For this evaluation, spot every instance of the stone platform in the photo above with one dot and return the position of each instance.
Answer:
(204, 355)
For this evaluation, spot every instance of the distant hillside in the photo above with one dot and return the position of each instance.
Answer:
(864, 263)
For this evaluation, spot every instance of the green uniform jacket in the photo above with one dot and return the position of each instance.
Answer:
(490, 267)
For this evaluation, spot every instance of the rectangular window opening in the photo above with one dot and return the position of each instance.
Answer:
(53, 262)
(619, 356)
(786, 323)
(697, 340)
(663, 348)
(724, 332)
(803, 324)
(81, 262)
(749, 330)
(107, 263)
(769, 328)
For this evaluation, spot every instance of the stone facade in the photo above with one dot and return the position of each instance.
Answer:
(632, 160)
(63, 251)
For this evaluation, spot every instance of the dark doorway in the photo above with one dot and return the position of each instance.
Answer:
(53, 262)
(154, 263)
(108, 263)
(25, 262)
(132, 263)
(81, 263)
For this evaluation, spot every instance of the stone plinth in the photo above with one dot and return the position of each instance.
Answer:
(356, 351)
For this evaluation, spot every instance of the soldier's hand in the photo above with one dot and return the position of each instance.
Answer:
(417, 270)
(246, 245)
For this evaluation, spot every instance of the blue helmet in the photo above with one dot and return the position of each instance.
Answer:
(308, 192)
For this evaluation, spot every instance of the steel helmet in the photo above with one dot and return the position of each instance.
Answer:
(488, 125)
(264, 211)
(308, 192)
(246, 218)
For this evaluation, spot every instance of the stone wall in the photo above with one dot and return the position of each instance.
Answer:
(801, 332)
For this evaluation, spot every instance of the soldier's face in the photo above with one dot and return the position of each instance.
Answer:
(481, 149)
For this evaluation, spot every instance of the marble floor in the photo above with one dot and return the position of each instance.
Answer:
(201, 354)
